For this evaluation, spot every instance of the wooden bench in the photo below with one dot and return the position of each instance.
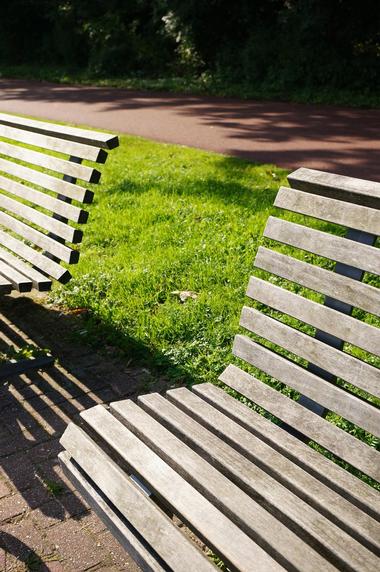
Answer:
(37, 206)
(244, 472)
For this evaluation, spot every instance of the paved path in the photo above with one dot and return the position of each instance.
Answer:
(342, 140)
(40, 530)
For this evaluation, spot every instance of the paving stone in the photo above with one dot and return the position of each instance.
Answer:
(2, 560)
(76, 547)
(53, 566)
(12, 506)
(92, 524)
(5, 489)
(19, 470)
(48, 514)
(119, 556)
(73, 505)
(35, 409)
(43, 451)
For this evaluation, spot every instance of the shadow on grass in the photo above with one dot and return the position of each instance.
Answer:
(229, 185)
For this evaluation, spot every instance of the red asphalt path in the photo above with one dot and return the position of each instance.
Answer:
(341, 140)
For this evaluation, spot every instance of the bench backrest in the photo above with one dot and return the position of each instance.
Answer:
(37, 205)
(313, 306)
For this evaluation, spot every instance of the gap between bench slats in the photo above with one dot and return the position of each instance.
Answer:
(363, 296)
(137, 508)
(340, 364)
(336, 248)
(359, 191)
(310, 460)
(317, 315)
(309, 525)
(331, 210)
(330, 396)
(54, 144)
(316, 428)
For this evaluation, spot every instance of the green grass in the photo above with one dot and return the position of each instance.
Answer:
(203, 84)
(166, 219)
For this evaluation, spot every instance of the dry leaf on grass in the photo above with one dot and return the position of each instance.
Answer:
(184, 295)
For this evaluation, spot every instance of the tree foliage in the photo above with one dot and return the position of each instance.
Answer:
(305, 42)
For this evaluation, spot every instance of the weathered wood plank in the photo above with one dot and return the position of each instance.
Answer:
(255, 521)
(34, 257)
(118, 526)
(5, 286)
(18, 281)
(39, 281)
(42, 240)
(316, 428)
(321, 317)
(338, 187)
(53, 144)
(75, 170)
(47, 181)
(320, 280)
(311, 526)
(335, 477)
(44, 200)
(324, 244)
(50, 162)
(191, 507)
(330, 396)
(327, 209)
(76, 134)
(135, 506)
(44, 221)
(284, 471)
(335, 361)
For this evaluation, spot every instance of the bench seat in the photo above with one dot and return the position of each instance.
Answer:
(264, 470)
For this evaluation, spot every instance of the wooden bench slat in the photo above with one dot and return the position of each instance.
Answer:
(39, 281)
(320, 280)
(324, 244)
(34, 257)
(321, 317)
(309, 489)
(227, 497)
(326, 394)
(335, 477)
(47, 181)
(5, 286)
(44, 200)
(337, 362)
(329, 436)
(54, 144)
(69, 168)
(135, 506)
(209, 523)
(115, 522)
(327, 209)
(339, 187)
(18, 281)
(38, 238)
(76, 134)
(44, 221)
(311, 526)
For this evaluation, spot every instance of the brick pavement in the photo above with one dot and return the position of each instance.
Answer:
(44, 524)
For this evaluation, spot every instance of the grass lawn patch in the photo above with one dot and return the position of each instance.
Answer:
(166, 259)
(167, 220)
